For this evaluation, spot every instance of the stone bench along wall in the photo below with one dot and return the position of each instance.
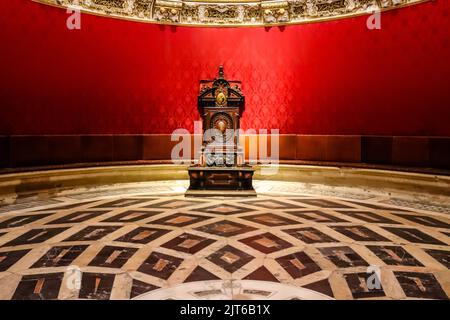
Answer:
(32, 151)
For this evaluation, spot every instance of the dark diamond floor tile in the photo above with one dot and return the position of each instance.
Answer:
(322, 203)
(131, 216)
(35, 236)
(364, 285)
(440, 255)
(9, 258)
(413, 235)
(19, 221)
(225, 228)
(143, 235)
(266, 243)
(160, 265)
(122, 203)
(230, 258)
(368, 216)
(322, 286)
(77, 217)
(61, 256)
(39, 287)
(139, 287)
(343, 257)
(395, 256)
(224, 209)
(271, 220)
(96, 286)
(200, 274)
(309, 235)
(180, 220)
(69, 206)
(359, 233)
(316, 216)
(188, 243)
(92, 233)
(261, 274)
(112, 257)
(272, 204)
(298, 264)
(420, 285)
(425, 220)
(174, 204)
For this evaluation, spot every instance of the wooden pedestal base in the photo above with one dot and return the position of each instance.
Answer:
(221, 181)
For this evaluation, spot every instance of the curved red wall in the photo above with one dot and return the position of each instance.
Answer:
(116, 76)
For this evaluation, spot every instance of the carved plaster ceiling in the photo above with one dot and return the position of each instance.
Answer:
(230, 12)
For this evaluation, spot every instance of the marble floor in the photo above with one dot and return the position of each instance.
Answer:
(290, 242)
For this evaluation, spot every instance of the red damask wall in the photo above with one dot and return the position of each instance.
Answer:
(119, 77)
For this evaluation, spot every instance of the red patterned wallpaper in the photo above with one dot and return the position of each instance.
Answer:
(116, 76)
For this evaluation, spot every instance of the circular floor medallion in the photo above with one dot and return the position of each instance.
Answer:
(233, 290)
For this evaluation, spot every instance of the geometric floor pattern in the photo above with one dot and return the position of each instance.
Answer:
(124, 246)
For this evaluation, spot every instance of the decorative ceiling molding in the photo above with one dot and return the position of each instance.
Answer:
(230, 12)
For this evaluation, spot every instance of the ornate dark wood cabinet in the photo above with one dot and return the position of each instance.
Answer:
(221, 163)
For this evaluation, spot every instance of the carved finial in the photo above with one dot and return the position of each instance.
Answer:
(220, 72)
